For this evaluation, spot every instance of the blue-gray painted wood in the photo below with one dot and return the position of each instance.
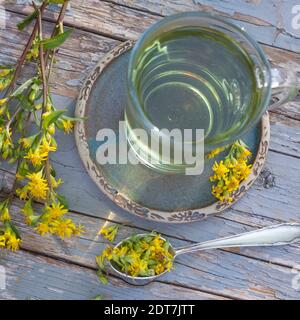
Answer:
(30, 276)
(232, 270)
(269, 22)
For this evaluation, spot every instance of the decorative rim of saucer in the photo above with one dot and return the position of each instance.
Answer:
(183, 216)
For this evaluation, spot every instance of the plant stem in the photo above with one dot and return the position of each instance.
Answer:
(15, 183)
(52, 53)
(44, 58)
(24, 54)
(45, 94)
(42, 62)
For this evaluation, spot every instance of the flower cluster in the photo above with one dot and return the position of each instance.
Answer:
(32, 103)
(9, 237)
(230, 172)
(110, 232)
(138, 256)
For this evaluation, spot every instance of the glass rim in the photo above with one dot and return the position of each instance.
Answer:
(197, 14)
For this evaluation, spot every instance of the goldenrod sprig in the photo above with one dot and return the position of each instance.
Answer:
(230, 172)
(138, 256)
(35, 177)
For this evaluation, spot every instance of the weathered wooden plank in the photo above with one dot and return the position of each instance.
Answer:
(89, 244)
(263, 20)
(29, 276)
(217, 272)
(78, 55)
(275, 28)
(75, 58)
(99, 17)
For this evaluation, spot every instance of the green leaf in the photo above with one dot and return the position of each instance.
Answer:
(36, 142)
(53, 172)
(23, 87)
(28, 208)
(52, 117)
(99, 297)
(13, 228)
(56, 41)
(23, 24)
(24, 103)
(102, 277)
(62, 200)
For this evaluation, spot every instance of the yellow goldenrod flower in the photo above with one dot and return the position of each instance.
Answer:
(107, 253)
(22, 193)
(25, 142)
(2, 241)
(3, 101)
(160, 268)
(11, 241)
(37, 186)
(38, 191)
(67, 125)
(242, 170)
(142, 256)
(109, 233)
(19, 176)
(78, 230)
(4, 72)
(244, 154)
(38, 106)
(228, 174)
(4, 84)
(63, 228)
(56, 210)
(43, 228)
(36, 157)
(51, 129)
(220, 169)
(5, 216)
(46, 147)
(232, 184)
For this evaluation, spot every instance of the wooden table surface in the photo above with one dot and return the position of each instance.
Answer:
(48, 268)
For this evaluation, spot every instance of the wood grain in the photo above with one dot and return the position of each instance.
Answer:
(127, 18)
(34, 277)
(210, 271)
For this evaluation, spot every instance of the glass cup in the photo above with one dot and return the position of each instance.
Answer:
(195, 71)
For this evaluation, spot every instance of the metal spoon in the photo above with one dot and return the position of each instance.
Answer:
(276, 235)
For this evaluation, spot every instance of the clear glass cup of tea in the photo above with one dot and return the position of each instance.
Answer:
(196, 70)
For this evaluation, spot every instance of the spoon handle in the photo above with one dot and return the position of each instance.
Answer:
(275, 235)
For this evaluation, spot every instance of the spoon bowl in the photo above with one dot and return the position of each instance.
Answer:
(276, 235)
(138, 281)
